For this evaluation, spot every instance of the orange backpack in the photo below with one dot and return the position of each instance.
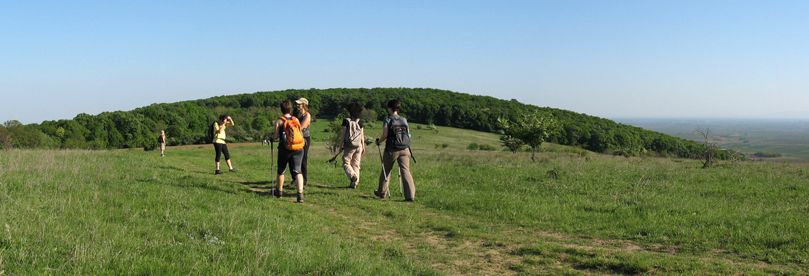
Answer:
(292, 134)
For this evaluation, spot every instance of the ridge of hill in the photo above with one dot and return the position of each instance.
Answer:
(187, 121)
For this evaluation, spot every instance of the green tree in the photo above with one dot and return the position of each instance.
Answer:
(5, 138)
(532, 128)
(512, 144)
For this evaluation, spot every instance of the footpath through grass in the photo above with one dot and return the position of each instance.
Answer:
(132, 212)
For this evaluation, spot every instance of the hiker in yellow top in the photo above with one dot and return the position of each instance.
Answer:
(219, 144)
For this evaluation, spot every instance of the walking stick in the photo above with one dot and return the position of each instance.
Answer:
(382, 162)
(272, 164)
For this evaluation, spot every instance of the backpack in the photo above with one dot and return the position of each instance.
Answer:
(398, 134)
(354, 138)
(209, 136)
(292, 135)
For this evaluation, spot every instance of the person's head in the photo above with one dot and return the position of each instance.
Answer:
(162, 132)
(286, 107)
(223, 118)
(394, 106)
(303, 105)
(354, 110)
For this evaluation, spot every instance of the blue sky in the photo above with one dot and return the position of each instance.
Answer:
(616, 59)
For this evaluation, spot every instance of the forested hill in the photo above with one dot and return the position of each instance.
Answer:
(186, 122)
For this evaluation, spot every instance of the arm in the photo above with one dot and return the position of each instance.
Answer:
(384, 133)
(308, 121)
(229, 121)
(362, 148)
(341, 137)
(275, 133)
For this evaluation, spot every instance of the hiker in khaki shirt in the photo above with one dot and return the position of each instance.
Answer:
(352, 138)
(396, 135)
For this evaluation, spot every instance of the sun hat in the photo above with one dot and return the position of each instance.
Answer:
(302, 101)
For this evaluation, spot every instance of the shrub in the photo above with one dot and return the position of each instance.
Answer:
(486, 147)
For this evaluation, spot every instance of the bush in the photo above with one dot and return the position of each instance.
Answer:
(486, 148)
(473, 146)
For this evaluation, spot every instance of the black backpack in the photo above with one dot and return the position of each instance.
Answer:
(398, 134)
(210, 134)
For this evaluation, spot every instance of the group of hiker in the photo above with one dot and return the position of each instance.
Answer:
(294, 140)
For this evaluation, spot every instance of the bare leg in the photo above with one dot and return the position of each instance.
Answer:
(299, 182)
(230, 164)
(280, 183)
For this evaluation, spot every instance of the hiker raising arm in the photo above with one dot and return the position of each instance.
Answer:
(220, 144)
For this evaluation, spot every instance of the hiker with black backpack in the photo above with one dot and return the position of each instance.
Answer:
(352, 139)
(291, 143)
(396, 135)
(217, 131)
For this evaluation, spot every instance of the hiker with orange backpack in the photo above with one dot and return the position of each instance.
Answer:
(290, 139)
(352, 139)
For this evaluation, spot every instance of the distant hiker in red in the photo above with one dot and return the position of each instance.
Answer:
(291, 145)
(352, 139)
(306, 120)
(396, 135)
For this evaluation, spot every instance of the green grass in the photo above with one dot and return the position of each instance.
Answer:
(476, 212)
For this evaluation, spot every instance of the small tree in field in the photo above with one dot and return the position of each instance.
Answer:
(531, 128)
(5, 138)
(512, 144)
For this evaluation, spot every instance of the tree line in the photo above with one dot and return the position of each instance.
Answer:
(186, 122)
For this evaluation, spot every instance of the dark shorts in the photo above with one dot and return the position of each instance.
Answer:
(220, 149)
(291, 159)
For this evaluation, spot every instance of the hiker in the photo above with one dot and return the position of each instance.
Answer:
(219, 144)
(396, 134)
(161, 140)
(306, 120)
(291, 146)
(352, 139)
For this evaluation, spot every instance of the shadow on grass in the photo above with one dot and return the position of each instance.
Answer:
(187, 185)
(330, 187)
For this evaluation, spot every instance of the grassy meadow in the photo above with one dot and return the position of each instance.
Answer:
(476, 212)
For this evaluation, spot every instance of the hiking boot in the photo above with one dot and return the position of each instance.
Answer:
(218, 172)
(277, 193)
(353, 185)
(232, 170)
(379, 195)
(300, 198)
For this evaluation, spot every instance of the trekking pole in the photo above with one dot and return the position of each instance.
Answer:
(411, 154)
(272, 164)
(382, 163)
(333, 158)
